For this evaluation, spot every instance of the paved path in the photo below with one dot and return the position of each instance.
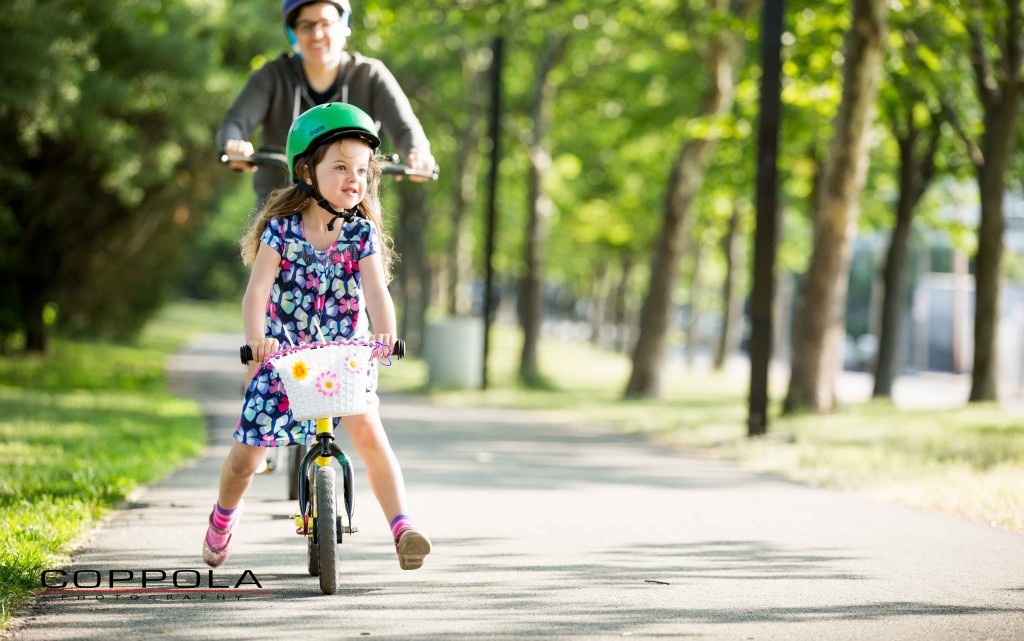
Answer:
(545, 531)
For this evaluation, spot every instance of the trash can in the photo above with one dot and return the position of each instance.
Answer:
(454, 351)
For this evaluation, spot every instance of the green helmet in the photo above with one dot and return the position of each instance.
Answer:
(325, 123)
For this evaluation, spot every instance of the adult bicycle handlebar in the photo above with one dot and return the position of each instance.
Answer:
(390, 165)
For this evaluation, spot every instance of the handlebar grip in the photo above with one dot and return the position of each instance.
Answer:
(396, 168)
(259, 159)
(245, 352)
(399, 352)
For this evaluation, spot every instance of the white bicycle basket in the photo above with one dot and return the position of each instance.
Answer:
(324, 379)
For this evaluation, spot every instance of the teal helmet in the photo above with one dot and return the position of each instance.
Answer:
(290, 9)
(326, 123)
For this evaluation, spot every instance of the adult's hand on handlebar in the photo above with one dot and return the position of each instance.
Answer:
(240, 148)
(420, 162)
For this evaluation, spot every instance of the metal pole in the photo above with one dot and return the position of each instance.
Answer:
(766, 234)
(492, 216)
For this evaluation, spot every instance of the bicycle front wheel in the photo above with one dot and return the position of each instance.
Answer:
(327, 529)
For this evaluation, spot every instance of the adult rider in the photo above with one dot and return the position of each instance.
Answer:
(317, 71)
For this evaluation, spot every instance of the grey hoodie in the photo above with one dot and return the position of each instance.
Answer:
(276, 93)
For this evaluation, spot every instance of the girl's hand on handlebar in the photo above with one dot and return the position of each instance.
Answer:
(240, 148)
(396, 347)
(424, 163)
(263, 347)
(387, 339)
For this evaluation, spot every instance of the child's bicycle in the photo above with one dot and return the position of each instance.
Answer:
(324, 380)
(274, 158)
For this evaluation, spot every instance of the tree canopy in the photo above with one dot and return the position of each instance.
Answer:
(110, 178)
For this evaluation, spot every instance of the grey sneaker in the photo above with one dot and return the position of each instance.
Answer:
(412, 546)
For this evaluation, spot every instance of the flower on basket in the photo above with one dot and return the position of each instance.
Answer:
(327, 384)
(352, 362)
(300, 371)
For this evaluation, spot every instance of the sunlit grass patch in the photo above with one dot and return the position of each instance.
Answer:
(182, 319)
(80, 429)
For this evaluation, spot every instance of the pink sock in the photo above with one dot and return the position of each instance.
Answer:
(400, 524)
(222, 519)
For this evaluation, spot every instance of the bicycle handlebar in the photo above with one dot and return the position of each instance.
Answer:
(245, 352)
(390, 165)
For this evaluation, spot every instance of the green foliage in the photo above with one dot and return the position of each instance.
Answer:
(80, 429)
(111, 180)
(107, 115)
(215, 271)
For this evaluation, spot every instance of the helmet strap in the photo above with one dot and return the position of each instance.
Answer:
(293, 41)
(312, 192)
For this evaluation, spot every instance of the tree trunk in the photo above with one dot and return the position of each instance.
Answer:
(696, 305)
(819, 327)
(684, 183)
(541, 207)
(732, 305)
(36, 335)
(621, 305)
(460, 247)
(915, 175)
(1000, 97)
(766, 229)
(598, 302)
(412, 272)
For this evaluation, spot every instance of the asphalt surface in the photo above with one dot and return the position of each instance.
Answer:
(540, 531)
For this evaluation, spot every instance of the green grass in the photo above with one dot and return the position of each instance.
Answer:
(182, 319)
(80, 429)
(967, 461)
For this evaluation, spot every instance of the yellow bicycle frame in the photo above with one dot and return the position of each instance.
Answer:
(323, 426)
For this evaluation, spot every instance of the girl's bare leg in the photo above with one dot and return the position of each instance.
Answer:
(385, 475)
(235, 477)
(367, 434)
(237, 472)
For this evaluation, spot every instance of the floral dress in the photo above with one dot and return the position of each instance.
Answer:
(312, 287)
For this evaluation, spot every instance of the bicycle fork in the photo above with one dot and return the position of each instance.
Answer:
(320, 455)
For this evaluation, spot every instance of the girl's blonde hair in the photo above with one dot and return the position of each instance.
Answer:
(290, 200)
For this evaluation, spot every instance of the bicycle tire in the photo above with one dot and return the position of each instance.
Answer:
(327, 529)
(314, 557)
(312, 549)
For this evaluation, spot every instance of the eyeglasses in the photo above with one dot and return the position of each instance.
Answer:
(306, 27)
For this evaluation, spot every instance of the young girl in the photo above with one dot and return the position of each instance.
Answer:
(318, 257)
